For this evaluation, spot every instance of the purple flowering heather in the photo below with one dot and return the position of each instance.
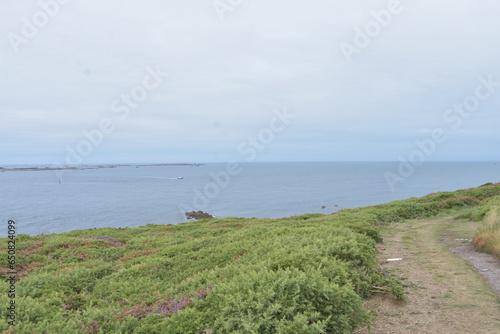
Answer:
(173, 307)
(202, 294)
(162, 308)
(111, 240)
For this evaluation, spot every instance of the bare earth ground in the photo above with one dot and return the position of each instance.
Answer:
(444, 293)
(487, 265)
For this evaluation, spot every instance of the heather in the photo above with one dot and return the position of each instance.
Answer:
(302, 274)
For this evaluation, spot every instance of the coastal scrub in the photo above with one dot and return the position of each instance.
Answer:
(301, 274)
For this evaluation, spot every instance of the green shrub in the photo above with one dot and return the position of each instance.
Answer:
(283, 301)
(458, 202)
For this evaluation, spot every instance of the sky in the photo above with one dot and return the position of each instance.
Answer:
(155, 81)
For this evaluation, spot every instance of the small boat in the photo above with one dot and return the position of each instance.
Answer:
(179, 177)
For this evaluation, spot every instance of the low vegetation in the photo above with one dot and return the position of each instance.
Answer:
(302, 274)
(487, 238)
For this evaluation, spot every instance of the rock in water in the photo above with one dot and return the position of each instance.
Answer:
(198, 215)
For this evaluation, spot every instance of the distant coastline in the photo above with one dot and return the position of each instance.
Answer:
(35, 169)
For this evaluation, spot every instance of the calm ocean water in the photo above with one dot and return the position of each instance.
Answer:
(130, 196)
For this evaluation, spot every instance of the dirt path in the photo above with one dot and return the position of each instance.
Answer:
(485, 264)
(445, 294)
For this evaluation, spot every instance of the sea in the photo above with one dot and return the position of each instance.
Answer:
(129, 196)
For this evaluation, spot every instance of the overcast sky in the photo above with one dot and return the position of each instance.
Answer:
(68, 67)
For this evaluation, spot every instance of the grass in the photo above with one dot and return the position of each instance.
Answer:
(487, 238)
(302, 274)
